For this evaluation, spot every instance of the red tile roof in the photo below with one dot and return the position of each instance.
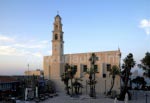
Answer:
(7, 79)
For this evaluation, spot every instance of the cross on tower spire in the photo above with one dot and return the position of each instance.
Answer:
(57, 12)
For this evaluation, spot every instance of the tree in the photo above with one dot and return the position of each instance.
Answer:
(146, 64)
(65, 78)
(139, 81)
(69, 73)
(72, 72)
(77, 85)
(92, 73)
(127, 65)
(50, 87)
(113, 72)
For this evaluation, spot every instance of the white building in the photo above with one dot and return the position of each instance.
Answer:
(54, 64)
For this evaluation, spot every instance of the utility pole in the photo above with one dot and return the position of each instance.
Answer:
(28, 74)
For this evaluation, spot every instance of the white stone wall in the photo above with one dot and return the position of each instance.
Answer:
(57, 68)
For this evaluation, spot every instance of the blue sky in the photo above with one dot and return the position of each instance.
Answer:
(89, 25)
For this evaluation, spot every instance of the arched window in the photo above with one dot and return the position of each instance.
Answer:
(56, 27)
(61, 37)
(56, 36)
(61, 46)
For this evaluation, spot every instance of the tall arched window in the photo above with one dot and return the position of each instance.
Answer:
(61, 37)
(56, 27)
(56, 36)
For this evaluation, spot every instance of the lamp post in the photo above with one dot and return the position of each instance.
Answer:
(28, 75)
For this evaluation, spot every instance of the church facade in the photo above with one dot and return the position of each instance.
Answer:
(54, 64)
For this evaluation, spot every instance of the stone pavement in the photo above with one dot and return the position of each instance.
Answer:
(62, 98)
(138, 97)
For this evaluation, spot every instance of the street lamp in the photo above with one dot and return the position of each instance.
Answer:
(28, 74)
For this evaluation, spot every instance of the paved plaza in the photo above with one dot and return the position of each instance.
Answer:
(138, 97)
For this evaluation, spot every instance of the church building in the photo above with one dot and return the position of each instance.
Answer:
(54, 64)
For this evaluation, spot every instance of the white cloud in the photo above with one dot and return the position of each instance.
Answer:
(145, 24)
(11, 51)
(8, 50)
(30, 46)
(6, 39)
(17, 47)
(44, 42)
(49, 52)
(37, 54)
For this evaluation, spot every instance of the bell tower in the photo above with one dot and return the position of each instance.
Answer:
(57, 49)
(57, 41)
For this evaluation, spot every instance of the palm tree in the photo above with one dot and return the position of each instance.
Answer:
(127, 65)
(114, 71)
(92, 82)
(92, 73)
